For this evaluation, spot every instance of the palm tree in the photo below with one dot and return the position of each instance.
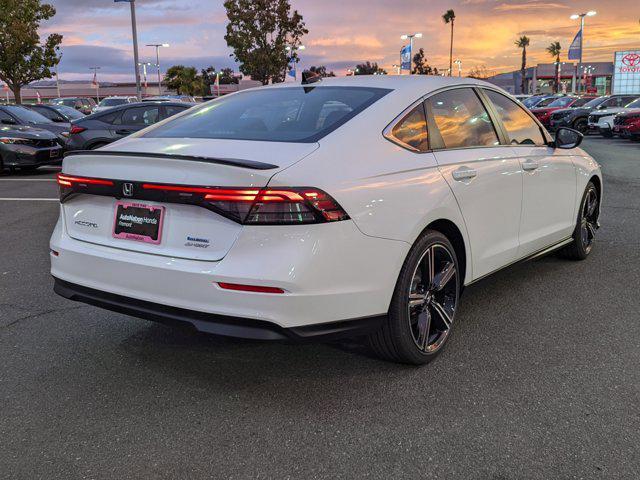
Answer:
(448, 17)
(523, 43)
(554, 51)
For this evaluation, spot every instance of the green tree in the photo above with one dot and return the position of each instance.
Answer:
(420, 65)
(369, 68)
(523, 43)
(184, 80)
(554, 50)
(322, 71)
(449, 17)
(265, 36)
(23, 59)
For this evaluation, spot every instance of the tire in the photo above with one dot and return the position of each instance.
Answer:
(421, 318)
(586, 226)
(606, 133)
(581, 126)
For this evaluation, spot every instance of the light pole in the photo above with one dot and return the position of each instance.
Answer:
(157, 47)
(134, 34)
(397, 67)
(581, 16)
(410, 37)
(458, 62)
(144, 73)
(291, 48)
(57, 79)
(95, 82)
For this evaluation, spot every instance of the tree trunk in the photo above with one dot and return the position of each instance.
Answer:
(451, 51)
(523, 71)
(16, 94)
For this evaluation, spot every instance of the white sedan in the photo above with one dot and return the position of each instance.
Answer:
(347, 206)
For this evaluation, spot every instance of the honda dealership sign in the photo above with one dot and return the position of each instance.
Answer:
(626, 72)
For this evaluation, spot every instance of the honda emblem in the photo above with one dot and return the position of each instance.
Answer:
(127, 189)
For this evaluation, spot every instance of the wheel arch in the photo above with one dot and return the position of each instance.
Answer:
(450, 230)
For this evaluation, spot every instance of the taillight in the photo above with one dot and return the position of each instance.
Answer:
(76, 129)
(267, 206)
(70, 184)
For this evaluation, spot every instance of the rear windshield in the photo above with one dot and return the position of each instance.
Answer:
(112, 102)
(69, 112)
(293, 114)
(595, 102)
(25, 115)
(70, 102)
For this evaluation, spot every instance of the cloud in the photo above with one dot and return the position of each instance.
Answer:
(528, 6)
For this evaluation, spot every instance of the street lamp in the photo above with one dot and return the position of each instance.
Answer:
(157, 46)
(134, 34)
(459, 63)
(410, 37)
(581, 16)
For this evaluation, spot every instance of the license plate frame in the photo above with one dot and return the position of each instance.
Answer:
(135, 227)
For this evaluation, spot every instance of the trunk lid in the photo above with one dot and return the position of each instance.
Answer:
(187, 231)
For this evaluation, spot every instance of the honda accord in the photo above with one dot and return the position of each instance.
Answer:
(353, 206)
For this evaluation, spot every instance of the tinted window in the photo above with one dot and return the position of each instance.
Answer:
(112, 102)
(5, 116)
(140, 116)
(70, 102)
(171, 110)
(580, 102)
(69, 112)
(521, 128)
(45, 112)
(545, 102)
(412, 129)
(612, 102)
(562, 102)
(634, 104)
(289, 114)
(595, 102)
(462, 120)
(27, 116)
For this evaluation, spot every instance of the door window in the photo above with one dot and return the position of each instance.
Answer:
(171, 110)
(462, 120)
(412, 130)
(140, 116)
(5, 116)
(521, 128)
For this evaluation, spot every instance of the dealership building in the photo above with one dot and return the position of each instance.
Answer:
(598, 78)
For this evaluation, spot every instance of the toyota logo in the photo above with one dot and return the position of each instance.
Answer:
(127, 189)
(631, 60)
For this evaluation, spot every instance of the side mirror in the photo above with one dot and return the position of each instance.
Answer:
(601, 107)
(567, 138)
(8, 121)
(58, 120)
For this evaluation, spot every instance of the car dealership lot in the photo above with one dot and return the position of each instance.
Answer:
(88, 393)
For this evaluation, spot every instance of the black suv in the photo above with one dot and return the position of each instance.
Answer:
(101, 128)
(578, 117)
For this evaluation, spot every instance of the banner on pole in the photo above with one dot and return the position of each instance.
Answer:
(575, 49)
(405, 57)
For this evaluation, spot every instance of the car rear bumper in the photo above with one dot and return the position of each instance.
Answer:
(329, 273)
(215, 324)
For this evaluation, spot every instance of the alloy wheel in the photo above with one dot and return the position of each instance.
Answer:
(589, 219)
(433, 297)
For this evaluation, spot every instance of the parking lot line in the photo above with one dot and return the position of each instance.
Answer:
(29, 199)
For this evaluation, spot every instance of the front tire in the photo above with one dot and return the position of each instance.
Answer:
(581, 126)
(423, 306)
(584, 234)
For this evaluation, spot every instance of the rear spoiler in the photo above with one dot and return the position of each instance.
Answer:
(232, 162)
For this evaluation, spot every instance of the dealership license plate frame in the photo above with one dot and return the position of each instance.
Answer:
(127, 234)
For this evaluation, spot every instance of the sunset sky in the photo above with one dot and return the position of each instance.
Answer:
(341, 33)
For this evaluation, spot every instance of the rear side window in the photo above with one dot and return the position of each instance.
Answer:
(51, 115)
(171, 110)
(140, 116)
(412, 129)
(461, 119)
(287, 114)
(521, 128)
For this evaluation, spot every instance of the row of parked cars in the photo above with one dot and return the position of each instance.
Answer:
(609, 115)
(36, 135)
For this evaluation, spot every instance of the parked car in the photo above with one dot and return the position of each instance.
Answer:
(577, 118)
(521, 97)
(27, 148)
(543, 113)
(57, 113)
(20, 115)
(82, 104)
(356, 205)
(540, 101)
(110, 102)
(99, 129)
(170, 98)
(601, 121)
(627, 124)
(533, 100)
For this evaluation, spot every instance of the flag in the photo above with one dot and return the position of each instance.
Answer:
(38, 95)
(292, 70)
(217, 84)
(95, 79)
(405, 57)
(575, 49)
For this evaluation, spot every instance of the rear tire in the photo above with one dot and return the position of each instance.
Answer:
(422, 311)
(586, 226)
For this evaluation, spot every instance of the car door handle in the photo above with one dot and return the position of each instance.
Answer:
(464, 173)
(529, 166)
(123, 132)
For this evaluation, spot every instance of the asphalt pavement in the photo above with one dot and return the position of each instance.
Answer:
(541, 379)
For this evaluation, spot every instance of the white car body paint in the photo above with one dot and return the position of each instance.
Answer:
(329, 271)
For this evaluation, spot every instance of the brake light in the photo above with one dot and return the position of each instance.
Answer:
(69, 181)
(76, 129)
(249, 288)
(253, 206)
